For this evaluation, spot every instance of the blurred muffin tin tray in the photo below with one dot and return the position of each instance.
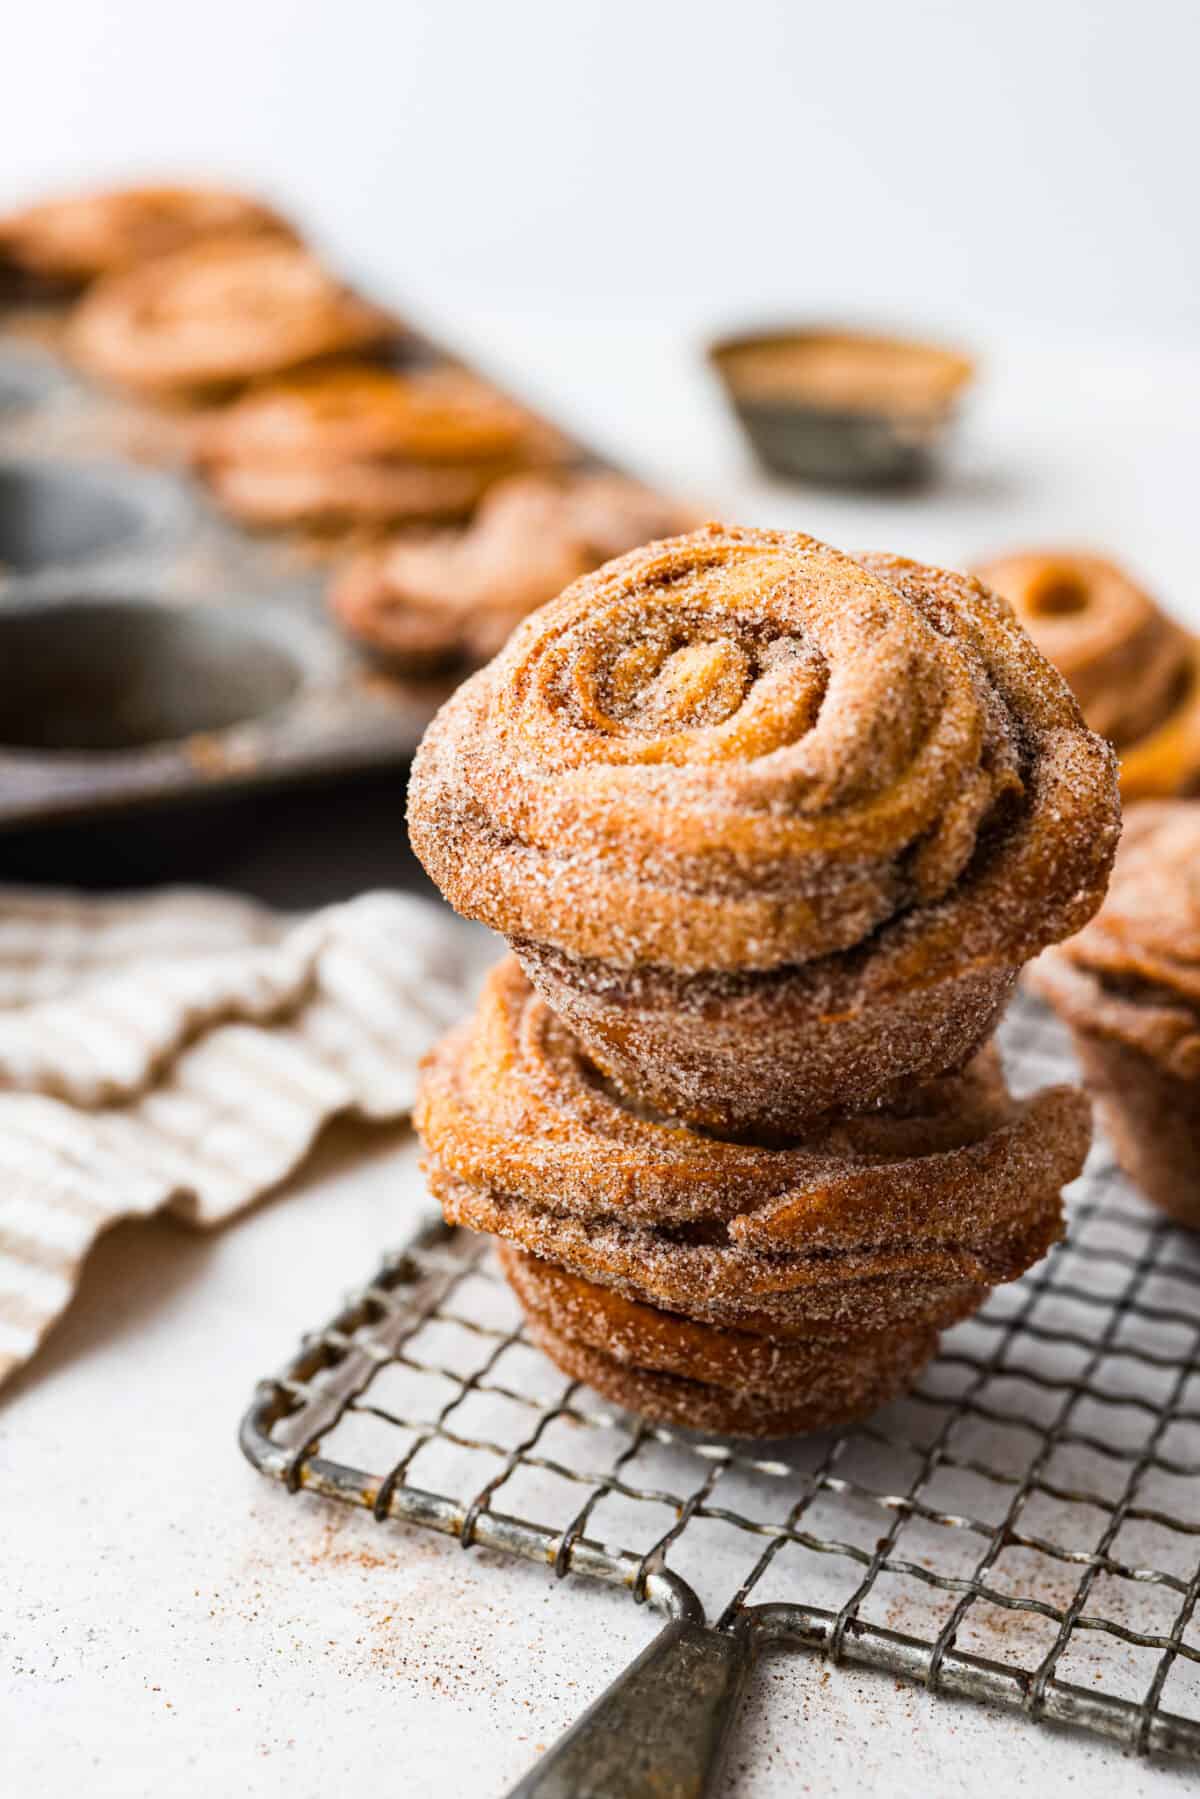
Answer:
(151, 651)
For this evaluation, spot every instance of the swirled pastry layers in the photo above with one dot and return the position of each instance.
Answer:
(1129, 988)
(422, 601)
(73, 239)
(773, 828)
(678, 1371)
(351, 412)
(889, 1226)
(354, 444)
(1135, 672)
(769, 1053)
(218, 314)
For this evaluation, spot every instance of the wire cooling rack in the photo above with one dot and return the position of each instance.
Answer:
(1023, 1527)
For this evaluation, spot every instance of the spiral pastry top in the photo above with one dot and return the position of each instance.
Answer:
(741, 750)
(351, 410)
(1123, 658)
(1133, 973)
(221, 312)
(348, 443)
(77, 237)
(425, 600)
(884, 1217)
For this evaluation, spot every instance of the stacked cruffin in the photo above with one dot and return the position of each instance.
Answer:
(771, 831)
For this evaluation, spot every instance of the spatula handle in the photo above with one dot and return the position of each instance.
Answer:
(660, 1729)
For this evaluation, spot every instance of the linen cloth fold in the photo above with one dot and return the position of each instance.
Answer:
(184, 1050)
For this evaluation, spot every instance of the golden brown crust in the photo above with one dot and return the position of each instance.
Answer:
(77, 237)
(1129, 988)
(352, 444)
(355, 412)
(1151, 1117)
(774, 1053)
(846, 372)
(838, 1387)
(870, 1291)
(273, 496)
(773, 829)
(872, 1222)
(741, 750)
(217, 314)
(744, 1349)
(425, 601)
(1133, 973)
(840, 1396)
(1166, 762)
(1135, 672)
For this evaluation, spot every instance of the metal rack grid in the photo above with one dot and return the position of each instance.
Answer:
(1024, 1527)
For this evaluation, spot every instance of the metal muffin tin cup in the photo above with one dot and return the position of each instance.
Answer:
(114, 697)
(57, 514)
(151, 651)
(808, 440)
(27, 380)
(84, 674)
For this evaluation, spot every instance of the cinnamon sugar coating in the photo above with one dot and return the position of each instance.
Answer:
(1135, 672)
(353, 411)
(1133, 972)
(754, 1351)
(676, 1371)
(770, 1053)
(76, 237)
(740, 753)
(771, 831)
(217, 314)
(742, 750)
(267, 496)
(1129, 988)
(885, 1219)
(352, 444)
(846, 372)
(424, 601)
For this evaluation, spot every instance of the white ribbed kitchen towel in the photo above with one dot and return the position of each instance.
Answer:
(184, 1050)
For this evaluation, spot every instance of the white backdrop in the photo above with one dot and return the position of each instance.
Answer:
(1029, 163)
(577, 194)
(579, 191)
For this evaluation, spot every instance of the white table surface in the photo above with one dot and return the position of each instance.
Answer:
(170, 1622)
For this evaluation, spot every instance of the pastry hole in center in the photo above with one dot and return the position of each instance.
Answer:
(1059, 595)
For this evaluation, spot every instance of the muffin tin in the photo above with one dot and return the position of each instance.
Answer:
(150, 651)
(25, 383)
(810, 437)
